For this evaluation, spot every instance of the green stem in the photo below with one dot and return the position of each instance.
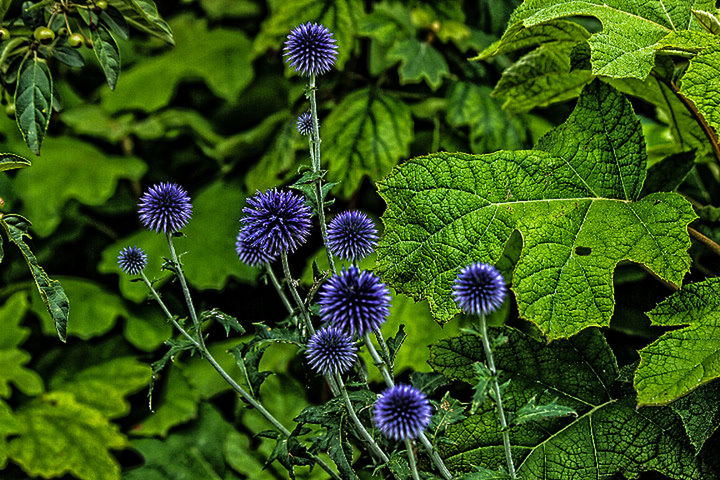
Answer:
(411, 459)
(276, 284)
(382, 366)
(385, 351)
(186, 290)
(295, 294)
(235, 386)
(498, 397)
(317, 165)
(374, 447)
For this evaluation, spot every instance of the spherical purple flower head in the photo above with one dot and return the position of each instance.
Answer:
(277, 221)
(165, 207)
(132, 260)
(479, 289)
(354, 301)
(305, 123)
(331, 350)
(402, 412)
(310, 49)
(352, 235)
(250, 254)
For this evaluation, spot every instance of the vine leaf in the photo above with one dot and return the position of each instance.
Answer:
(684, 359)
(12, 358)
(108, 55)
(418, 61)
(573, 200)
(700, 79)
(59, 435)
(33, 101)
(51, 292)
(625, 47)
(366, 134)
(610, 436)
(700, 413)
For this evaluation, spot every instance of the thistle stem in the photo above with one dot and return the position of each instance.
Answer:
(498, 398)
(374, 447)
(186, 290)
(278, 288)
(411, 459)
(295, 294)
(317, 165)
(382, 366)
(241, 391)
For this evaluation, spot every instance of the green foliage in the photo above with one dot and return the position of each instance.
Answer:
(573, 201)
(12, 358)
(608, 437)
(108, 55)
(33, 101)
(686, 358)
(418, 61)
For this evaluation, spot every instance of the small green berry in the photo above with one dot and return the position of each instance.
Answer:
(10, 110)
(4, 33)
(76, 40)
(44, 35)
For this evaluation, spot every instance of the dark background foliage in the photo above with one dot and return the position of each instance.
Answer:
(216, 114)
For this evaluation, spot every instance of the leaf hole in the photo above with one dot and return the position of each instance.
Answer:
(583, 251)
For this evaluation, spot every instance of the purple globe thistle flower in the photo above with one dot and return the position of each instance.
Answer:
(305, 123)
(310, 49)
(330, 351)
(132, 260)
(479, 289)
(165, 207)
(352, 235)
(249, 254)
(277, 221)
(354, 301)
(402, 412)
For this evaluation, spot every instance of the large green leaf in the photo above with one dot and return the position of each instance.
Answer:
(12, 359)
(108, 55)
(216, 213)
(220, 56)
(573, 203)
(105, 386)
(51, 292)
(33, 101)
(630, 29)
(683, 359)
(366, 134)
(341, 17)
(609, 437)
(701, 83)
(8, 426)
(517, 37)
(700, 413)
(59, 435)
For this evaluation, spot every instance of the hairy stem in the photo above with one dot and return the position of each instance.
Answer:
(374, 447)
(317, 165)
(235, 386)
(411, 459)
(186, 290)
(382, 366)
(498, 398)
(711, 245)
(278, 288)
(295, 294)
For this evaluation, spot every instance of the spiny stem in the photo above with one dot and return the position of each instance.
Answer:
(498, 398)
(186, 290)
(374, 447)
(295, 294)
(382, 366)
(711, 245)
(317, 165)
(248, 398)
(411, 459)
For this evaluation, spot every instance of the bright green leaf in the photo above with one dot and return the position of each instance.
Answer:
(517, 37)
(220, 56)
(700, 82)
(683, 359)
(91, 386)
(59, 435)
(108, 55)
(572, 206)
(366, 134)
(418, 61)
(33, 101)
(8, 426)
